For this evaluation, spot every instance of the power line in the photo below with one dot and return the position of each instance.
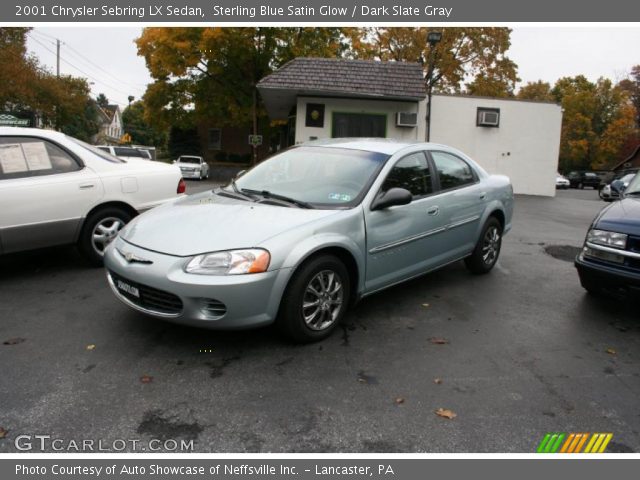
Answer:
(90, 63)
(82, 71)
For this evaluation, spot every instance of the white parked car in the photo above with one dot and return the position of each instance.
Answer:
(192, 166)
(562, 181)
(57, 190)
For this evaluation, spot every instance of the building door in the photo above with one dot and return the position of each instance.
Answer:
(358, 125)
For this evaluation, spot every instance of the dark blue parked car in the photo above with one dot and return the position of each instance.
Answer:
(610, 258)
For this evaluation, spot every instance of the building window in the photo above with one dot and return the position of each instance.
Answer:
(215, 139)
(488, 117)
(359, 125)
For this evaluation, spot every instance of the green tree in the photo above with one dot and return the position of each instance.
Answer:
(631, 85)
(539, 90)
(183, 141)
(102, 100)
(139, 129)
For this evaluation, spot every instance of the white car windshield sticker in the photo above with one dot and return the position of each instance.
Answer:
(12, 159)
(340, 197)
(37, 156)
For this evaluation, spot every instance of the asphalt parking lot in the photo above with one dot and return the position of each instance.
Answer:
(518, 353)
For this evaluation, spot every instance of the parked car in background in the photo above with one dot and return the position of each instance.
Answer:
(562, 182)
(126, 153)
(609, 194)
(57, 190)
(193, 166)
(581, 179)
(309, 231)
(610, 257)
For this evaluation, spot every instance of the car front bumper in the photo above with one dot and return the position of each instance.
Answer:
(167, 292)
(607, 276)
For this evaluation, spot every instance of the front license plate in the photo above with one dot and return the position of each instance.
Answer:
(130, 289)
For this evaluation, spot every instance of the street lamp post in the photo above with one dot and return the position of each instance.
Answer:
(433, 38)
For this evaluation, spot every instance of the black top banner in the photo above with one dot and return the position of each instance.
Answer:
(318, 11)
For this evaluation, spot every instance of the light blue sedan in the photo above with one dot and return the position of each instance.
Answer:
(305, 234)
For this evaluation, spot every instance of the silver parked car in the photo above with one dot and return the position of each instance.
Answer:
(306, 233)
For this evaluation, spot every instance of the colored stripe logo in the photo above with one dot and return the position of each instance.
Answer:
(574, 443)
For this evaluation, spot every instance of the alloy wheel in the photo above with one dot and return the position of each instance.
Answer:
(104, 232)
(322, 301)
(491, 245)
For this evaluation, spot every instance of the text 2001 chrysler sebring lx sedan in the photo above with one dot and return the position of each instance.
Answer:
(309, 231)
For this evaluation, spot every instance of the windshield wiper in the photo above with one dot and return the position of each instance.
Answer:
(239, 193)
(267, 194)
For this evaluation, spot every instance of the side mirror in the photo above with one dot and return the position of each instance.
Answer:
(240, 173)
(617, 186)
(391, 198)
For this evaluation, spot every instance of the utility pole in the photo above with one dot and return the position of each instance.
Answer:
(58, 57)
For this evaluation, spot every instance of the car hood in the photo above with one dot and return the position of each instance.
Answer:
(207, 222)
(622, 216)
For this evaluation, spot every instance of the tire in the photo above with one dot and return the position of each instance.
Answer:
(487, 250)
(581, 186)
(313, 282)
(106, 222)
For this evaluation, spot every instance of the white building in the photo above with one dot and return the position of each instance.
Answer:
(329, 98)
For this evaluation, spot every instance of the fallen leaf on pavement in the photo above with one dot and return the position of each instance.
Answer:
(14, 341)
(437, 381)
(3, 432)
(611, 351)
(438, 340)
(399, 400)
(91, 347)
(446, 413)
(146, 379)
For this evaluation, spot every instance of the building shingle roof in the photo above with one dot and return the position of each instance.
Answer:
(367, 78)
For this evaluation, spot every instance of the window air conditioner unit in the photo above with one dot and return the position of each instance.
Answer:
(488, 118)
(406, 119)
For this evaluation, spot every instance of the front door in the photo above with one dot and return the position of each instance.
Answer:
(405, 240)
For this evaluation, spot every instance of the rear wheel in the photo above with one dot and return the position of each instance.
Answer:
(487, 250)
(99, 230)
(315, 300)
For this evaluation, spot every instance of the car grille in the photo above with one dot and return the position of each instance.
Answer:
(150, 298)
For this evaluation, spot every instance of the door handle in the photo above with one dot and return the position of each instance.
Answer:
(483, 195)
(86, 186)
(433, 210)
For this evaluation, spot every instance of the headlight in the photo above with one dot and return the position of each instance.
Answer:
(608, 239)
(231, 262)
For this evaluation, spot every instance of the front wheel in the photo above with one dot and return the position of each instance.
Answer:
(315, 300)
(99, 230)
(485, 254)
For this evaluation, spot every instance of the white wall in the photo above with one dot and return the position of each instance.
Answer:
(524, 147)
(390, 108)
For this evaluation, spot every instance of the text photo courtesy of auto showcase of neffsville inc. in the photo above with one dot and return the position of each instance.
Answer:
(319, 239)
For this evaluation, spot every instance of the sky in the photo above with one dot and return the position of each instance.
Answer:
(107, 56)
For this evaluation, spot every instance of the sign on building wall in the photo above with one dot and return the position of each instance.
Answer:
(315, 115)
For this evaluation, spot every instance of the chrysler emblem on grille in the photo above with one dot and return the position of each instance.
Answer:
(133, 258)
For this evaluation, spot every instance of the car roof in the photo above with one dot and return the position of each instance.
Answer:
(31, 131)
(387, 146)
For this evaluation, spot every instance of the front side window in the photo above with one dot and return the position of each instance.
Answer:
(453, 172)
(29, 157)
(411, 173)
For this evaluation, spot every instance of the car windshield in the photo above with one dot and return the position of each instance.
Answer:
(321, 176)
(189, 160)
(99, 152)
(634, 186)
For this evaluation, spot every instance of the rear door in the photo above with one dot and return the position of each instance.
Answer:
(45, 192)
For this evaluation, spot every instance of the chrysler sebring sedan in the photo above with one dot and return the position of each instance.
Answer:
(308, 232)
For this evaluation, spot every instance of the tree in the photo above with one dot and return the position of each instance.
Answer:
(102, 100)
(476, 53)
(597, 120)
(139, 129)
(183, 141)
(540, 91)
(631, 85)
